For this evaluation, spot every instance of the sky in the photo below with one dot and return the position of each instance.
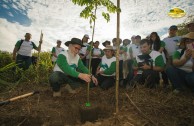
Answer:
(60, 20)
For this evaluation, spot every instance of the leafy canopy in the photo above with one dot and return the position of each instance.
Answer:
(91, 5)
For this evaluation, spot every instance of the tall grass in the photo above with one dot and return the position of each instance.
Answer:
(11, 75)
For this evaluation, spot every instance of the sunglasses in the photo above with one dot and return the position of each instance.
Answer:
(77, 48)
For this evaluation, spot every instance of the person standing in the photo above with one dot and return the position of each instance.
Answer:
(171, 43)
(56, 50)
(84, 52)
(23, 49)
(134, 50)
(121, 52)
(97, 54)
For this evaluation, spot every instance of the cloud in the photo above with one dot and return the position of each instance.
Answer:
(60, 19)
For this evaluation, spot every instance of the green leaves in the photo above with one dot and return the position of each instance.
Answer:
(91, 5)
(106, 16)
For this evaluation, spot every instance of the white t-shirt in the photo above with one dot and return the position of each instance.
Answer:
(135, 50)
(171, 44)
(57, 51)
(96, 51)
(26, 48)
(106, 63)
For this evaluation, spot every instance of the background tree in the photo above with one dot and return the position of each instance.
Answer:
(91, 5)
(182, 29)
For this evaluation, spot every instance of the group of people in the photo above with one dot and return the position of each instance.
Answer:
(141, 61)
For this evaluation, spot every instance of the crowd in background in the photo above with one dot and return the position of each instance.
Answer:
(144, 61)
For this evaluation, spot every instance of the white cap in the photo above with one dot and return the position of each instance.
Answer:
(87, 36)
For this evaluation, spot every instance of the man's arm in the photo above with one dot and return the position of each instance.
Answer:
(39, 46)
(111, 69)
(177, 61)
(14, 52)
(54, 52)
(82, 67)
(17, 46)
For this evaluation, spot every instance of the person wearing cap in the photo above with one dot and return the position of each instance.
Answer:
(171, 43)
(190, 26)
(182, 72)
(23, 49)
(106, 43)
(97, 54)
(67, 68)
(148, 65)
(85, 50)
(125, 56)
(121, 52)
(106, 69)
(134, 50)
(56, 50)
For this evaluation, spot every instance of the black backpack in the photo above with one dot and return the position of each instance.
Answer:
(20, 44)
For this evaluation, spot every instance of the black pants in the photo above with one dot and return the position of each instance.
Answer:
(23, 62)
(149, 78)
(58, 78)
(105, 82)
(94, 64)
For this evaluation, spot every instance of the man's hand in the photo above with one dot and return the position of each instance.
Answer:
(146, 67)
(85, 77)
(82, 56)
(188, 53)
(94, 80)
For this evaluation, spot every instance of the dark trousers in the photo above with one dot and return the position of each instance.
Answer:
(130, 67)
(149, 78)
(23, 62)
(180, 78)
(58, 78)
(105, 82)
(94, 64)
(121, 70)
(165, 78)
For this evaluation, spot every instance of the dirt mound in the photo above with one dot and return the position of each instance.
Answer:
(137, 107)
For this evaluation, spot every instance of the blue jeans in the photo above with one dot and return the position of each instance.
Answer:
(180, 78)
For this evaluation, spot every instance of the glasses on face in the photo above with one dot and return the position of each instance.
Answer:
(77, 48)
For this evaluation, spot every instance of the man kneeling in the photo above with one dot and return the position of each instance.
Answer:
(148, 64)
(67, 64)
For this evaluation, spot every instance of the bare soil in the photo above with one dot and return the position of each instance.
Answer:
(137, 107)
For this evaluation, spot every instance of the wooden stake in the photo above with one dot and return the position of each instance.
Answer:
(117, 58)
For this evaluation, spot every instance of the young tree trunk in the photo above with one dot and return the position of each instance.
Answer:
(117, 58)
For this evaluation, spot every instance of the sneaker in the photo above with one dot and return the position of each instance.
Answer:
(69, 89)
(57, 94)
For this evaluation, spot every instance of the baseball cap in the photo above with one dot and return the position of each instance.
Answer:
(87, 36)
(173, 27)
